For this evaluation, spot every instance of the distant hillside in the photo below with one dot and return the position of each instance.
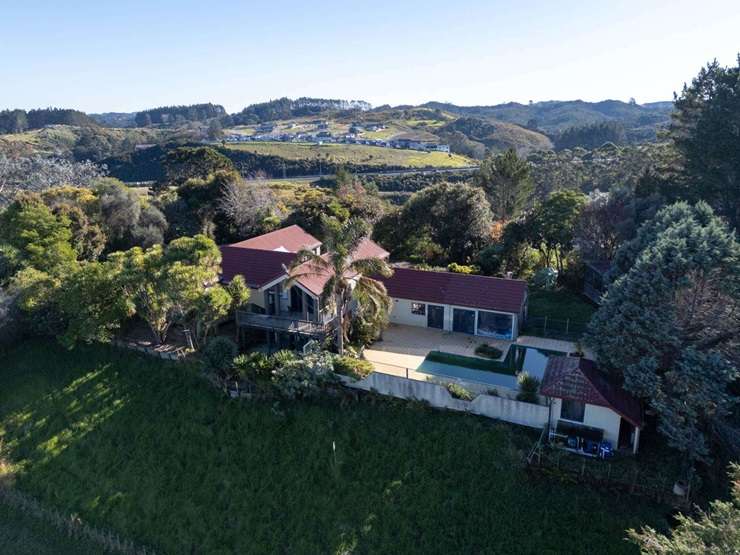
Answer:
(490, 134)
(18, 121)
(553, 117)
(116, 119)
(286, 108)
(175, 115)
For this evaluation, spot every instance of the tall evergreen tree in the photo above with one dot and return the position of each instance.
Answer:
(669, 325)
(507, 182)
(706, 130)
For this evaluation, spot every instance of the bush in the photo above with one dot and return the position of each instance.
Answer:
(528, 388)
(493, 392)
(462, 269)
(459, 392)
(302, 377)
(219, 354)
(254, 365)
(488, 351)
(356, 368)
(546, 278)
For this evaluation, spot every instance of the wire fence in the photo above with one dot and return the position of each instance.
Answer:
(544, 326)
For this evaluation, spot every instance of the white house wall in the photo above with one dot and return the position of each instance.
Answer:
(401, 314)
(595, 416)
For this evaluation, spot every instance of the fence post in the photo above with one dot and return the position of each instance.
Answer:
(567, 326)
(544, 330)
(407, 373)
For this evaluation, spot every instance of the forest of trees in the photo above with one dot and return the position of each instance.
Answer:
(17, 121)
(591, 136)
(176, 115)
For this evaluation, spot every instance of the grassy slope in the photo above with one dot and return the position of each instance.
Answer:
(25, 535)
(147, 449)
(356, 154)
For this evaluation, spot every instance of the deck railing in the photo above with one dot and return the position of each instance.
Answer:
(285, 322)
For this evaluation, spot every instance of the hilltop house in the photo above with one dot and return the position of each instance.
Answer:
(587, 407)
(289, 315)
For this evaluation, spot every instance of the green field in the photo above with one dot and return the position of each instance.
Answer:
(356, 154)
(25, 535)
(147, 449)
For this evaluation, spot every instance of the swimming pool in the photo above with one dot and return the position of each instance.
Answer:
(519, 358)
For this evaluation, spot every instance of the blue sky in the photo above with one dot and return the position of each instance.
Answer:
(126, 56)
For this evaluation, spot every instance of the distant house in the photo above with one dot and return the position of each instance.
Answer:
(477, 305)
(587, 407)
(265, 128)
(594, 282)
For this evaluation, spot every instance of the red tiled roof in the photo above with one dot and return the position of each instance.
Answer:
(482, 292)
(287, 239)
(259, 267)
(312, 278)
(369, 249)
(578, 379)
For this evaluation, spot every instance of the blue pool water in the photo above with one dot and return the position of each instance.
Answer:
(534, 364)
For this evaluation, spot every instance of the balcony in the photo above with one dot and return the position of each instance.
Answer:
(286, 322)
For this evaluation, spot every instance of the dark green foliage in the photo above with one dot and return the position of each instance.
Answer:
(166, 461)
(285, 108)
(255, 366)
(591, 136)
(705, 131)
(177, 115)
(25, 534)
(716, 530)
(459, 392)
(488, 351)
(668, 324)
(507, 182)
(357, 368)
(528, 388)
(16, 121)
(185, 163)
(441, 224)
(219, 353)
(126, 219)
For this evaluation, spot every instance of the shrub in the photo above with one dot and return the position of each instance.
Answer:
(254, 365)
(528, 388)
(493, 392)
(219, 354)
(488, 351)
(545, 278)
(356, 368)
(459, 392)
(462, 269)
(301, 377)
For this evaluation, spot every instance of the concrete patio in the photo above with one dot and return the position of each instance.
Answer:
(406, 346)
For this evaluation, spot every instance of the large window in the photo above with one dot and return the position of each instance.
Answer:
(418, 308)
(572, 410)
(494, 324)
(463, 320)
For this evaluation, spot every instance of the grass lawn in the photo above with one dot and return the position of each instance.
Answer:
(356, 154)
(148, 449)
(25, 535)
(560, 304)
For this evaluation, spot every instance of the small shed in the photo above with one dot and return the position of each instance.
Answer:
(586, 402)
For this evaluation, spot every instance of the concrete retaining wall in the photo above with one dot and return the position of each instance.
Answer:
(509, 410)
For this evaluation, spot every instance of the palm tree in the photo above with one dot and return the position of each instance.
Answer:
(348, 278)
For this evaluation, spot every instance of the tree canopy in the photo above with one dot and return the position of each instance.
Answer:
(669, 325)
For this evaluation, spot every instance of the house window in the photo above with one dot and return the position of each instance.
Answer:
(572, 410)
(494, 324)
(418, 308)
